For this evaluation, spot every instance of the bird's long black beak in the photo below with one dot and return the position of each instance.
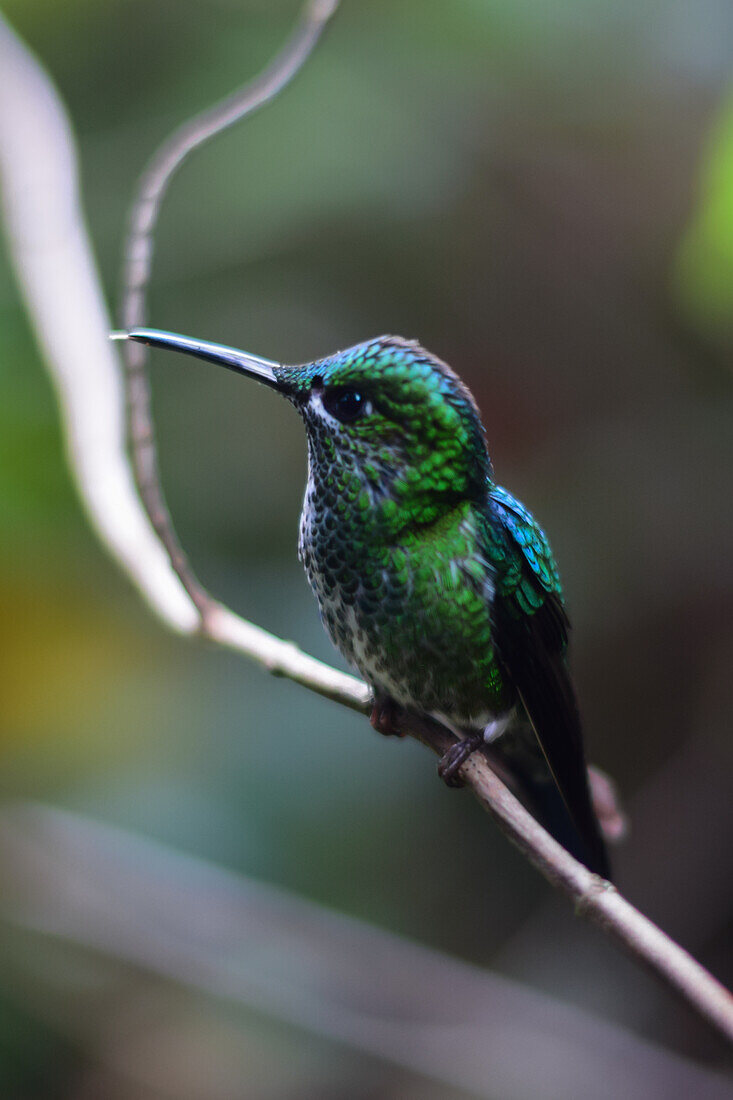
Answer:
(263, 370)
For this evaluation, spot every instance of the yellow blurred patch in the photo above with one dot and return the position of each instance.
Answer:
(63, 658)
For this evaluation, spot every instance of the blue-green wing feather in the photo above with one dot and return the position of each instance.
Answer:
(528, 573)
(531, 634)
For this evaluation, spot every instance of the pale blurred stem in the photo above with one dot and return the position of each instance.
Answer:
(61, 288)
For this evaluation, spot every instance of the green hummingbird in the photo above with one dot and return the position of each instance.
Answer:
(432, 580)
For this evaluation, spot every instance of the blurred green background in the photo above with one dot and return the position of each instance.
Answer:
(541, 191)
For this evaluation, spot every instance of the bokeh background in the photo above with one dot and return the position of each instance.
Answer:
(541, 191)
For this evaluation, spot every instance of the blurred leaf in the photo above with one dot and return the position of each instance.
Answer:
(704, 266)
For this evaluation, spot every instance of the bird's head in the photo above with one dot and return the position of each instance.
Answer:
(386, 421)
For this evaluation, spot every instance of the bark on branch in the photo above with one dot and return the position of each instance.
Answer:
(57, 275)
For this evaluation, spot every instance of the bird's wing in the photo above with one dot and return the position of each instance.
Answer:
(531, 632)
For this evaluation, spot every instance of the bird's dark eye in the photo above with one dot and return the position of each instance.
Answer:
(345, 404)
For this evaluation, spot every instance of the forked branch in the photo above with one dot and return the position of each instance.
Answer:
(62, 291)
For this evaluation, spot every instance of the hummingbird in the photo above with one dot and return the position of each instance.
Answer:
(432, 580)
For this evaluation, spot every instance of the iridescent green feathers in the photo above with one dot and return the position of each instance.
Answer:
(422, 440)
(521, 554)
(434, 582)
(423, 444)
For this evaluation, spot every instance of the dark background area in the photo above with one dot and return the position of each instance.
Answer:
(542, 193)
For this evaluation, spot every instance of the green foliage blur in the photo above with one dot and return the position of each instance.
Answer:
(541, 192)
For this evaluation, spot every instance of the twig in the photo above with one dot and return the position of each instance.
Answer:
(152, 188)
(77, 352)
(592, 897)
(142, 904)
(216, 622)
(695, 775)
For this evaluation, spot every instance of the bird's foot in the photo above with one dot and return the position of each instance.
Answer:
(385, 716)
(459, 752)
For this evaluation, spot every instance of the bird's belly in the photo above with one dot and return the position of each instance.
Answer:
(429, 648)
(433, 672)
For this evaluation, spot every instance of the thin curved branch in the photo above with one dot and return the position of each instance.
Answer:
(216, 622)
(56, 271)
(138, 260)
(592, 897)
